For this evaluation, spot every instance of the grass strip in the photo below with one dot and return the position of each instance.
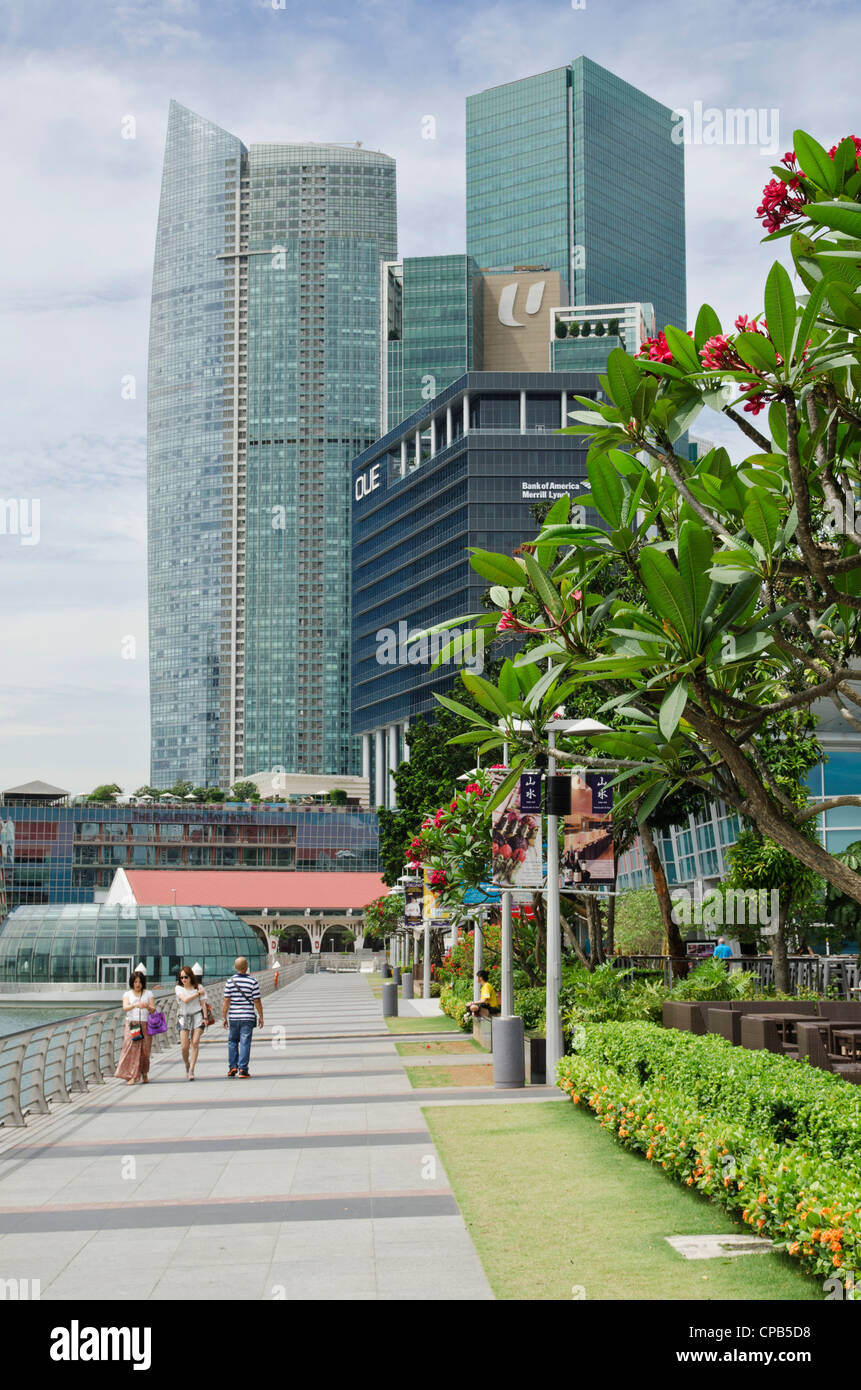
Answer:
(423, 1077)
(437, 1024)
(554, 1206)
(457, 1046)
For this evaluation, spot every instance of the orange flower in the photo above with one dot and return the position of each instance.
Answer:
(689, 1181)
(794, 1248)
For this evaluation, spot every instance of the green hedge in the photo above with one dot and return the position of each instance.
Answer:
(710, 1115)
(789, 1100)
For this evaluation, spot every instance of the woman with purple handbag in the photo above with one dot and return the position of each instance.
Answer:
(138, 1004)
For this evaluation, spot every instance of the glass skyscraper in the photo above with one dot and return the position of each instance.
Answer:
(576, 170)
(264, 382)
(434, 329)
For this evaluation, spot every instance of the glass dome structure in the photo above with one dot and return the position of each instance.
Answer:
(90, 943)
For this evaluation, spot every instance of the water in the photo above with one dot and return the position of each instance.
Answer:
(14, 1017)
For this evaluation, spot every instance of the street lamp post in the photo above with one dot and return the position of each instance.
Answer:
(553, 1033)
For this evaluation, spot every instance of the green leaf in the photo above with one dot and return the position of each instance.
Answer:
(816, 164)
(777, 423)
(683, 350)
(470, 715)
(486, 694)
(800, 339)
(499, 569)
(508, 682)
(672, 707)
(708, 325)
(508, 783)
(501, 597)
(607, 491)
(762, 518)
(844, 217)
(650, 801)
(542, 585)
(559, 512)
(756, 351)
(695, 550)
(845, 162)
(624, 380)
(844, 306)
(669, 598)
(780, 308)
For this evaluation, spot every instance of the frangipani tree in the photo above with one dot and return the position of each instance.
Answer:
(712, 604)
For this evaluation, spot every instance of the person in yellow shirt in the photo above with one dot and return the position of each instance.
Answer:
(488, 1003)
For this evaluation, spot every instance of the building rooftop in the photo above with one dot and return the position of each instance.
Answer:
(255, 888)
(34, 789)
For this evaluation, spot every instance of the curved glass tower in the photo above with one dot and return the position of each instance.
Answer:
(264, 384)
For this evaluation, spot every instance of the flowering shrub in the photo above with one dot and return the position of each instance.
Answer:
(784, 198)
(454, 843)
(720, 353)
(764, 1136)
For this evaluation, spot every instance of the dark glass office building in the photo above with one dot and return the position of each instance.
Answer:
(466, 470)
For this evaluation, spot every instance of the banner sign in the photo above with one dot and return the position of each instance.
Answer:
(530, 793)
(588, 832)
(516, 859)
(437, 915)
(413, 902)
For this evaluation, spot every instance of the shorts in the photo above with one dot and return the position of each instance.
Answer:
(188, 1022)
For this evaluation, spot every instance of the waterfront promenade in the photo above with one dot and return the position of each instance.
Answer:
(316, 1178)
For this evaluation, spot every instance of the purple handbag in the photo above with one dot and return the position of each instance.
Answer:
(156, 1023)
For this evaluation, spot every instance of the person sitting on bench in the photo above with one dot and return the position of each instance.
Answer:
(488, 1003)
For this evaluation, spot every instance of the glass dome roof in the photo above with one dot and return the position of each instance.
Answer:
(90, 943)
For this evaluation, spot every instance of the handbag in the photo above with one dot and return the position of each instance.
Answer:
(156, 1023)
(208, 1015)
(135, 1031)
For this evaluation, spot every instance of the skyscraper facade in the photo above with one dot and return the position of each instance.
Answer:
(265, 379)
(577, 170)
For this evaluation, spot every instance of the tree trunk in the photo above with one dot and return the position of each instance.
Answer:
(675, 945)
(764, 811)
(569, 936)
(778, 949)
(611, 914)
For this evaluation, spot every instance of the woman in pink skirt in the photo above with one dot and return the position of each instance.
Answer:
(138, 1004)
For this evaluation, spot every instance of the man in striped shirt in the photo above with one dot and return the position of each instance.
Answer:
(241, 999)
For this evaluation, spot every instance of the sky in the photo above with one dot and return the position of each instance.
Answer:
(84, 93)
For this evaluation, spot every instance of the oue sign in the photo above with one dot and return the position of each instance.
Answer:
(366, 483)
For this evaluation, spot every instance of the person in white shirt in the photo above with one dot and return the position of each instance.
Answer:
(191, 996)
(138, 1004)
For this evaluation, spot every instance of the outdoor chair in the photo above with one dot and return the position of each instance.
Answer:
(760, 1031)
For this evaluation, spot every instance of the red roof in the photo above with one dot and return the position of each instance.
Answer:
(253, 888)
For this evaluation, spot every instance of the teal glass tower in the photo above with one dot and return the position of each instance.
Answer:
(576, 170)
(265, 381)
(434, 323)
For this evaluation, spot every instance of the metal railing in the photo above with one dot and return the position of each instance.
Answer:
(821, 973)
(46, 1066)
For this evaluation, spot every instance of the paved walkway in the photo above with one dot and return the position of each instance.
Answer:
(316, 1178)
